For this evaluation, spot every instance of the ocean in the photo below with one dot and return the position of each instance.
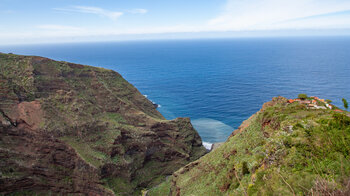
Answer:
(218, 83)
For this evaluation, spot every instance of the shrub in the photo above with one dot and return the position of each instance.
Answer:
(346, 105)
(302, 96)
(245, 169)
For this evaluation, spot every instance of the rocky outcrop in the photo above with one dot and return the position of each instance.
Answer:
(74, 129)
(276, 100)
(216, 145)
(36, 162)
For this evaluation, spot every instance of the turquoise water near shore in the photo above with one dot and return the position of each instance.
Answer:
(217, 83)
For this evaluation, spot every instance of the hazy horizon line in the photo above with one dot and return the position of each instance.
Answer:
(196, 36)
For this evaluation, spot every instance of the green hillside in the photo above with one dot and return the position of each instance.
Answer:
(284, 149)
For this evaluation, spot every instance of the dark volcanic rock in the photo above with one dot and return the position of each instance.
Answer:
(74, 129)
(37, 162)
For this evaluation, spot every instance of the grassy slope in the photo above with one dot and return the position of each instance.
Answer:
(285, 150)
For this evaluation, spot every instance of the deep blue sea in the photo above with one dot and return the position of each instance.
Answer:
(218, 83)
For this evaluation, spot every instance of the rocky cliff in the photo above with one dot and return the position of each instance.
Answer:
(72, 129)
(284, 149)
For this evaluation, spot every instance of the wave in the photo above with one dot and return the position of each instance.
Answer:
(154, 103)
(207, 145)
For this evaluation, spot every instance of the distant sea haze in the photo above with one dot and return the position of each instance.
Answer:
(217, 83)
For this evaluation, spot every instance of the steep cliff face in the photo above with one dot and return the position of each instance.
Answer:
(68, 128)
(284, 149)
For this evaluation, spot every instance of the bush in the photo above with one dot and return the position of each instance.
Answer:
(302, 96)
(346, 105)
(245, 169)
(328, 101)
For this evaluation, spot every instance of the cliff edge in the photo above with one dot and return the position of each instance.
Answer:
(72, 129)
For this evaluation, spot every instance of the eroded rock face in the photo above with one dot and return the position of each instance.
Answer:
(68, 128)
(38, 163)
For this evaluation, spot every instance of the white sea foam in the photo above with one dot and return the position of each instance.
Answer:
(207, 145)
(158, 105)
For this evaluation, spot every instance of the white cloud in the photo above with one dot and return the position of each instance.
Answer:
(58, 27)
(114, 15)
(239, 15)
(138, 11)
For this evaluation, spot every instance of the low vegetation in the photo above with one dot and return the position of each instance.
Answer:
(286, 149)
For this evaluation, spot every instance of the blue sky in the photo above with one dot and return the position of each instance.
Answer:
(40, 21)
